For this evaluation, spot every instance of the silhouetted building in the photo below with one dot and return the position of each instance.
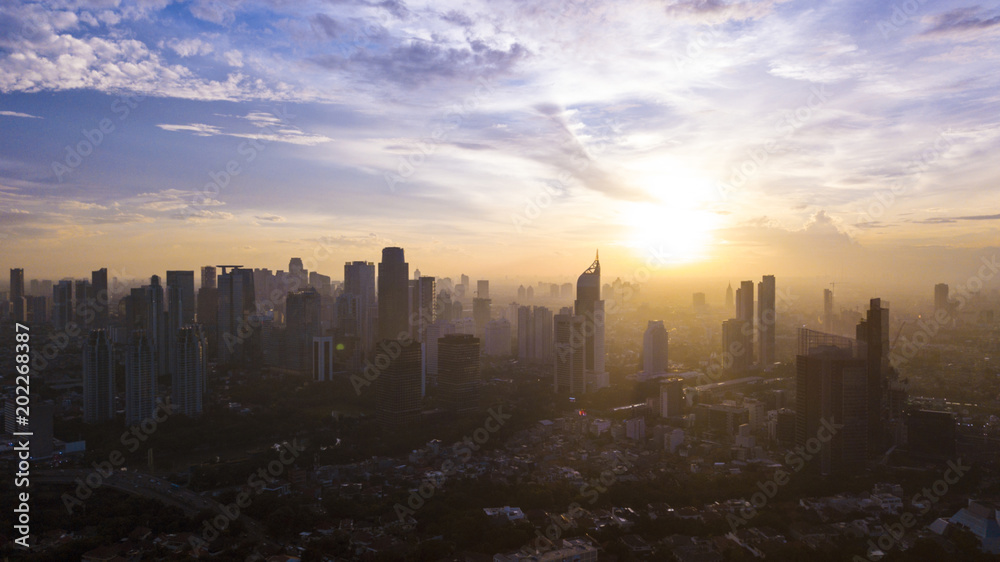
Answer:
(498, 337)
(16, 297)
(941, 297)
(303, 323)
(98, 378)
(729, 297)
(481, 314)
(102, 299)
(569, 355)
(180, 309)
(140, 378)
(458, 372)
(83, 305)
(393, 294)
(874, 332)
(829, 323)
(38, 310)
(322, 359)
(744, 313)
(672, 398)
(590, 307)
(190, 370)
(534, 333)
(654, 348)
(423, 305)
(397, 388)
(237, 302)
(698, 300)
(357, 319)
(766, 321)
(62, 304)
(831, 392)
(735, 353)
(208, 278)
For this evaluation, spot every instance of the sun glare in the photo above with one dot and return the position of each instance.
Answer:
(677, 227)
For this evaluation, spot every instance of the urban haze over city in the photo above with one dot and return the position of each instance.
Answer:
(678, 280)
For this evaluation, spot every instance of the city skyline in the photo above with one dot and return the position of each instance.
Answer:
(855, 126)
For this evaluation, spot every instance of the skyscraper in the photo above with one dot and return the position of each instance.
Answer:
(297, 273)
(208, 280)
(534, 333)
(481, 314)
(181, 283)
(102, 299)
(62, 304)
(458, 372)
(237, 303)
(208, 309)
(83, 305)
(766, 321)
(832, 399)
(393, 294)
(654, 348)
(568, 376)
(483, 289)
(156, 322)
(423, 305)
(735, 355)
(398, 387)
(744, 314)
(672, 398)
(874, 331)
(140, 378)
(98, 378)
(322, 358)
(434, 333)
(698, 300)
(729, 296)
(590, 308)
(359, 287)
(180, 309)
(17, 295)
(940, 297)
(828, 319)
(303, 323)
(497, 338)
(189, 370)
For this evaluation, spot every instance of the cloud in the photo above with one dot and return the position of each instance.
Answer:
(716, 11)
(202, 215)
(198, 129)
(960, 21)
(234, 58)
(269, 218)
(948, 220)
(273, 129)
(190, 47)
(417, 62)
(19, 114)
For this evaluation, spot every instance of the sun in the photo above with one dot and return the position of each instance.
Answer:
(677, 227)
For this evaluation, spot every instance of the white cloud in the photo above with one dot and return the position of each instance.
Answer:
(189, 47)
(198, 129)
(18, 114)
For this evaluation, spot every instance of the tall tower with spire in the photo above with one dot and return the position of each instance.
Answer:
(729, 297)
(590, 307)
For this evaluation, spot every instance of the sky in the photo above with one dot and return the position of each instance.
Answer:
(693, 137)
